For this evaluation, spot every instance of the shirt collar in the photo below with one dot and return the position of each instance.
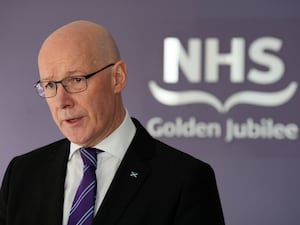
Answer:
(117, 142)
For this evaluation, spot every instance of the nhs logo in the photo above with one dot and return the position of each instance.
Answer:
(200, 62)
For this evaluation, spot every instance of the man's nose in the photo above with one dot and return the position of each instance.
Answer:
(63, 98)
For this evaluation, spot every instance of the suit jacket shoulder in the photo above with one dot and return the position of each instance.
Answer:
(33, 186)
(45, 151)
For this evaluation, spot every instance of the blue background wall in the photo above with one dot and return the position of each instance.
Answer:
(257, 177)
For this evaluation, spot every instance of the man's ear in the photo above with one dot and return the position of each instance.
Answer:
(120, 76)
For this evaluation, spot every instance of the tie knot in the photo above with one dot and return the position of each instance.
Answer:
(89, 156)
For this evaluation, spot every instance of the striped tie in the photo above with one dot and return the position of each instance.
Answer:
(82, 211)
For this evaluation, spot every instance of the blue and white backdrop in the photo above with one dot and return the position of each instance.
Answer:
(216, 79)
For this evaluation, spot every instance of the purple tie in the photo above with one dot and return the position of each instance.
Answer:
(82, 211)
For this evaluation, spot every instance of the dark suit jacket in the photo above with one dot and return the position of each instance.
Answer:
(171, 187)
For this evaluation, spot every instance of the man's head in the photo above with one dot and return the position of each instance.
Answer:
(77, 49)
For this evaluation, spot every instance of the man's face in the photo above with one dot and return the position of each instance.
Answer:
(78, 49)
(87, 117)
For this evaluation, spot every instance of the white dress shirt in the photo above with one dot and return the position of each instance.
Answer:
(114, 148)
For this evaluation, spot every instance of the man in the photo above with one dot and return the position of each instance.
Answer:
(137, 180)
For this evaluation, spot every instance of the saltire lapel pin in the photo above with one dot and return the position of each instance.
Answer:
(134, 174)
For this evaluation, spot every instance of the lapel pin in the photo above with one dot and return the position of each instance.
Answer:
(134, 174)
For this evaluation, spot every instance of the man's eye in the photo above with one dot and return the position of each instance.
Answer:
(76, 80)
(49, 85)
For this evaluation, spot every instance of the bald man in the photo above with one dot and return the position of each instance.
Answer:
(137, 180)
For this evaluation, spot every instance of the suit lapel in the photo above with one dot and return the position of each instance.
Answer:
(129, 178)
(54, 182)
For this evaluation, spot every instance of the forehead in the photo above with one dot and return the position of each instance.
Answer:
(60, 70)
(69, 51)
(57, 64)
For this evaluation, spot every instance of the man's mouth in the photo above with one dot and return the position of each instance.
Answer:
(73, 120)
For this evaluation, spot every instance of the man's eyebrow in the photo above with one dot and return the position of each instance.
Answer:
(68, 74)
(73, 72)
